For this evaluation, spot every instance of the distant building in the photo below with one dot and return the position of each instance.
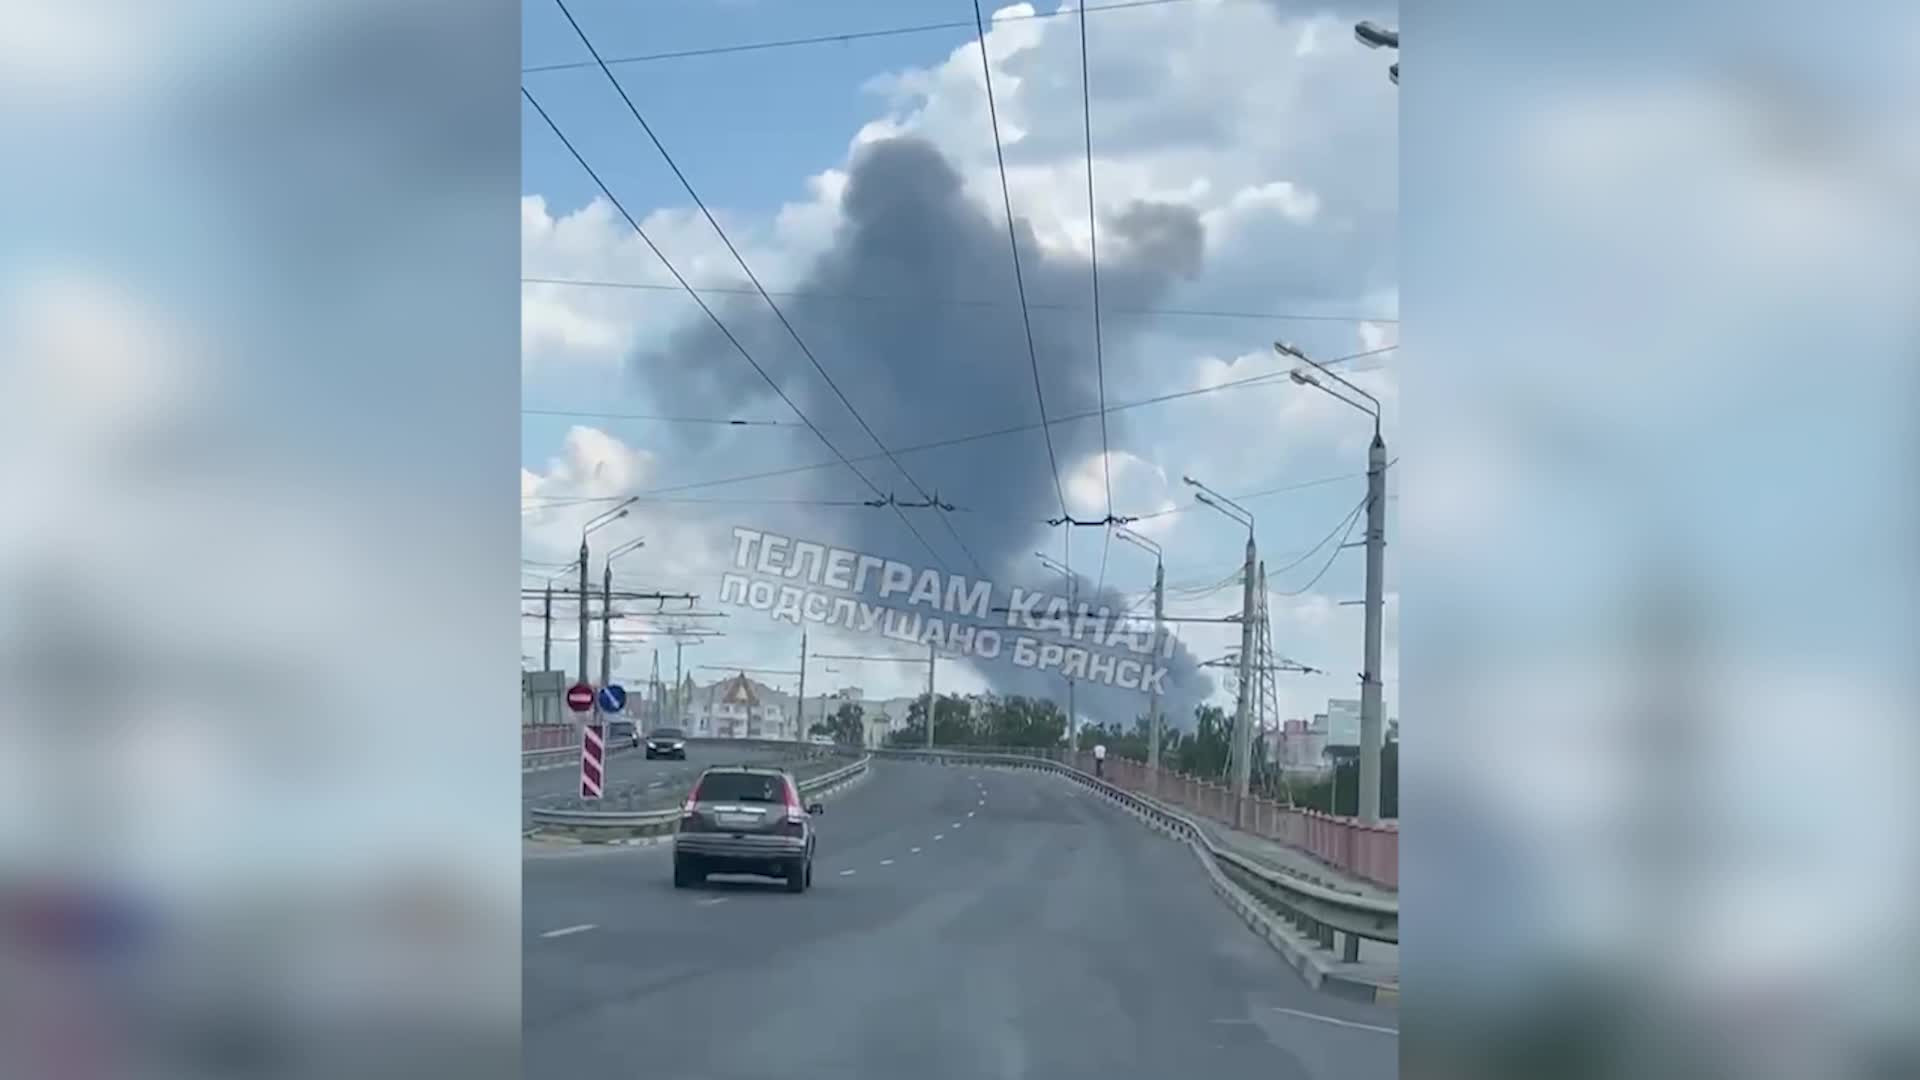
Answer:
(1343, 722)
(734, 710)
(543, 698)
(1301, 746)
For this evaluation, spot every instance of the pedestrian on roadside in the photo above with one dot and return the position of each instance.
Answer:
(1100, 759)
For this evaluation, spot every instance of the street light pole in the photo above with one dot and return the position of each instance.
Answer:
(606, 609)
(1243, 720)
(1371, 728)
(546, 621)
(1073, 594)
(932, 701)
(1159, 628)
(601, 521)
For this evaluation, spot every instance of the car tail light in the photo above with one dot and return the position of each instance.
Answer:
(796, 814)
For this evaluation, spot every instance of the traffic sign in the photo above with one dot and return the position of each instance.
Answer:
(612, 698)
(593, 760)
(580, 697)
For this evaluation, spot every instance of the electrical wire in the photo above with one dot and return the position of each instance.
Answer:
(1013, 241)
(1036, 305)
(1345, 523)
(1015, 429)
(748, 271)
(1353, 520)
(1093, 266)
(734, 422)
(844, 37)
(724, 330)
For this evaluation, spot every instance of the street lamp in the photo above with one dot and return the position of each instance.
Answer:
(1159, 602)
(1370, 684)
(1375, 36)
(599, 522)
(1242, 722)
(546, 617)
(1073, 589)
(606, 605)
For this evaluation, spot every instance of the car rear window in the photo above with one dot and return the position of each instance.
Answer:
(666, 733)
(742, 787)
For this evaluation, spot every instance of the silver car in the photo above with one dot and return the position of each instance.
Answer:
(743, 819)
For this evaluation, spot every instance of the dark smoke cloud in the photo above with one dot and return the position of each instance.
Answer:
(913, 312)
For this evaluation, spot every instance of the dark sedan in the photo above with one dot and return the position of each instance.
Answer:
(667, 742)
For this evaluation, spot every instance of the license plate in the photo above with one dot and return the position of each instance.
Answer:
(739, 819)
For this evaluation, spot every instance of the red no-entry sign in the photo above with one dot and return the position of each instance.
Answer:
(580, 697)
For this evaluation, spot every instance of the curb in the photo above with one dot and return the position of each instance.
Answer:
(1302, 954)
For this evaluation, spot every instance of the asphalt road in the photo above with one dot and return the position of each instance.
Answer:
(660, 782)
(963, 923)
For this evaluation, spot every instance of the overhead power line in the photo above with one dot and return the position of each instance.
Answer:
(1352, 520)
(1036, 305)
(1014, 429)
(725, 420)
(839, 38)
(741, 261)
(1013, 242)
(1093, 265)
(724, 330)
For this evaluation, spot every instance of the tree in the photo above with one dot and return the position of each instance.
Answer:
(1340, 793)
(847, 726)
(984, 721)
(1202, 752)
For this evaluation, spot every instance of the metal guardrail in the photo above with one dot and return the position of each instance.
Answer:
(605, 825)
(1318, 911)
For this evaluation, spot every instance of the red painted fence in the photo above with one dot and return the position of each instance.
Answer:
(1368, 852)
(548, 737)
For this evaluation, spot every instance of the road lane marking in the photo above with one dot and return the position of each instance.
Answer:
(565, 930)
(969, 813)
(939, 836)
(846, 873)
(711, 900)
(889, 862)
(955, 825)
(916, 851)
(1337, 1022)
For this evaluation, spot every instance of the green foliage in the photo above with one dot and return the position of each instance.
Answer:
(984, 721)
(1340, 792)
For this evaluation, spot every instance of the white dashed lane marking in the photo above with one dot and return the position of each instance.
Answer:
(711, 900)
(939, 836)
(916, 851)
(1338, 1023)
(889, 862)
(846, 873)
(565, 930)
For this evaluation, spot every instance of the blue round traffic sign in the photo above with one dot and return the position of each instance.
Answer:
(612, 698)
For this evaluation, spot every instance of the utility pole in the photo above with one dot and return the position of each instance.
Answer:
(800, 699)
(931, 700)
(1159, 628)
(584, 604)
(546, 630)
(679, 707)
(606, 625)
(1264, 670)
(653, 690)
(1370, 682)
(1073, 711)
(1153, 700)
(1243, 719)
